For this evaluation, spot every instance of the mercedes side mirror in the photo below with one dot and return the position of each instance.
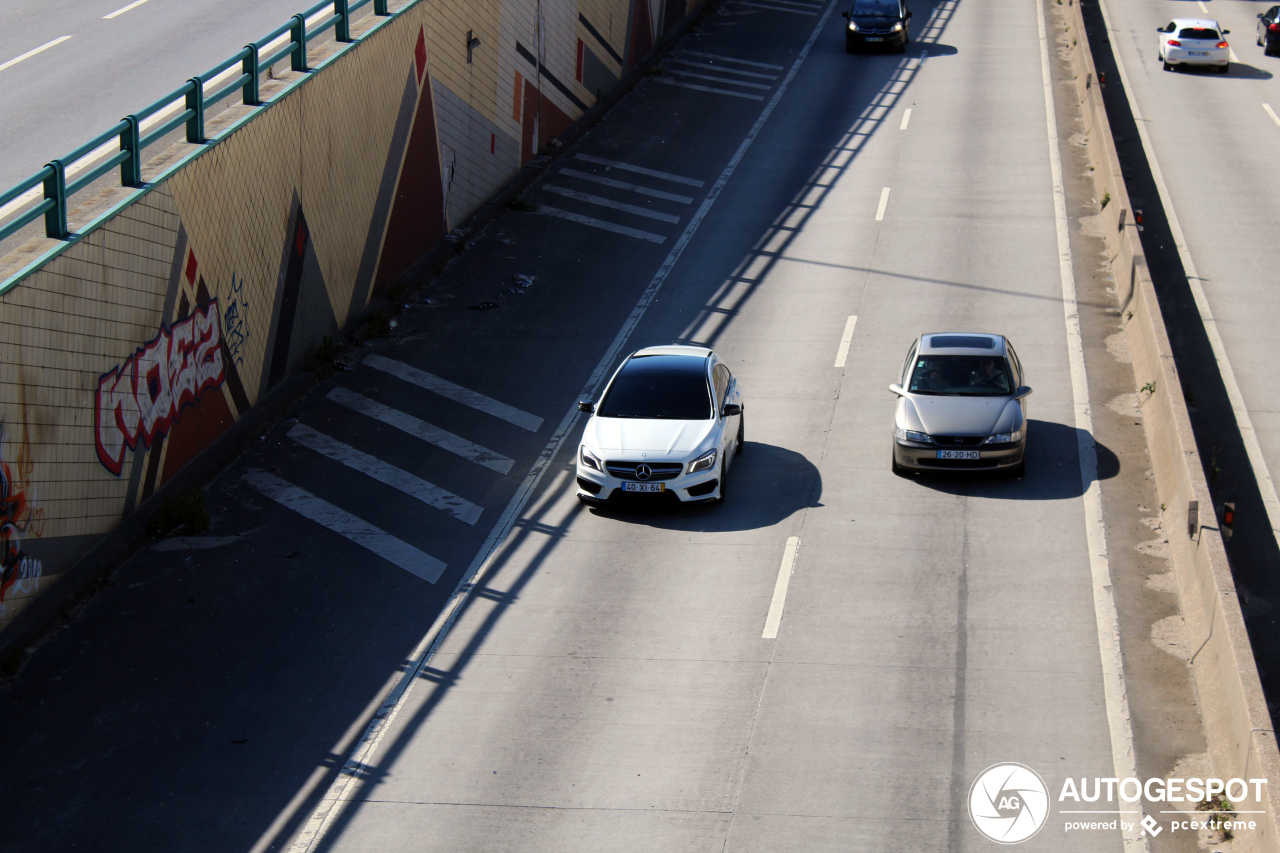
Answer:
(731, 409)
(898, 389)
(586, 406)
(1023, 391)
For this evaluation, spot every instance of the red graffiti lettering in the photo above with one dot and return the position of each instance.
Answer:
(141, 398)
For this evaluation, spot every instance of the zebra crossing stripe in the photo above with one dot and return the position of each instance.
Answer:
(623, 185)
(720, 69)
(714, 79)
(601, 224)
(701, 88)
(639, 170)
(773, 8)
(724, 58)
(457, 393)
(421, 429)
(384, 472)
(364, 534)
(608, 202)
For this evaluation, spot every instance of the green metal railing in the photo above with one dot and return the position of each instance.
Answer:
(53, 177)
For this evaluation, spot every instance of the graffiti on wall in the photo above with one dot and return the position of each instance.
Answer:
(19, 573)
(140, 399)
(236, 321)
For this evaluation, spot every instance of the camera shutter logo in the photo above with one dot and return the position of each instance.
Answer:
(1008, 803)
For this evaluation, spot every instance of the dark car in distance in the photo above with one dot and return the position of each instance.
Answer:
(1269, 30)
(877, 23)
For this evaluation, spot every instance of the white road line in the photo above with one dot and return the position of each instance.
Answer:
(421, 429)
(1104, 605)
(623, 185)
(884, 202)
(383, 472)
(731, 82)
(773, 8)
(30, 53)
(906, 117)
(774, 619)
(457, 393)
(711, 66)
(842, 354)
(1231, 53)
(364, 534)
(1271, 113)
(640, 170)
(124, 9)
(701, 88)
(601, 224)
(607, 202)
(352, 775)
(1244, 422)
(723, 58)
(1203, 8)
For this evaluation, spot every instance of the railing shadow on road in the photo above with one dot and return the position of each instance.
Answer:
(789, 480)
(1053, 469)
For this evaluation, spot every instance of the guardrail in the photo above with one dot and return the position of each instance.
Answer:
(52, 180)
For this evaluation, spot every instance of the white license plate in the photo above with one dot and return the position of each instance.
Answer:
(957, 454)
(874, 38)
(643, 487)
(1197, 53)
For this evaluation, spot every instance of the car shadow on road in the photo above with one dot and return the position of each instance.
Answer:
(1238, 71)
(1053, 469)
(767, 485)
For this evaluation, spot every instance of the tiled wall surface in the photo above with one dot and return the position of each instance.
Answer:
(125, 355)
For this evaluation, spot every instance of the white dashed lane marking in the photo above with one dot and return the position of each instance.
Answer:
(884, 202)
(1271, 113)
(842, 354)
(30, 53)
(361, 532)
(774, 619)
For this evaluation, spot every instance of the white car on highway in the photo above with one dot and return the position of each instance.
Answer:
(666, 429)
(1194, 41)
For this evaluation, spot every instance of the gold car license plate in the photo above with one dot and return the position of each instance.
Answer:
(957, 454)
(643, 487)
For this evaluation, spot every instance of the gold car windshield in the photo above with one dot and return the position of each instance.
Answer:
(961, 375)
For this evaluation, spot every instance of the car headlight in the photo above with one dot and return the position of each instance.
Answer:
(896, 28)
(853, 28)
(703, 462)
(912, 435)
(1004, 437)
(590, 459)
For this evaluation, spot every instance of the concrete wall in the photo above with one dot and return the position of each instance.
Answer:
(174, 309)
(1238, 728)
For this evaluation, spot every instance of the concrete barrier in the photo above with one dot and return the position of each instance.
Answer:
(1236, 721)
(175, 309)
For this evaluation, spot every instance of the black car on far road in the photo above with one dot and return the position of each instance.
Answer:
(877, 23)
(1269, 30)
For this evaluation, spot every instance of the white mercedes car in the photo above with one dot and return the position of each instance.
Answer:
(1194, 41)
(666, 429)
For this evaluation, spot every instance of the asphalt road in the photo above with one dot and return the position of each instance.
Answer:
(544, 676)
(87, 66)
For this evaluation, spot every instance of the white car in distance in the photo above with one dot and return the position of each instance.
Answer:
(1194, 41)
(666, 429)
